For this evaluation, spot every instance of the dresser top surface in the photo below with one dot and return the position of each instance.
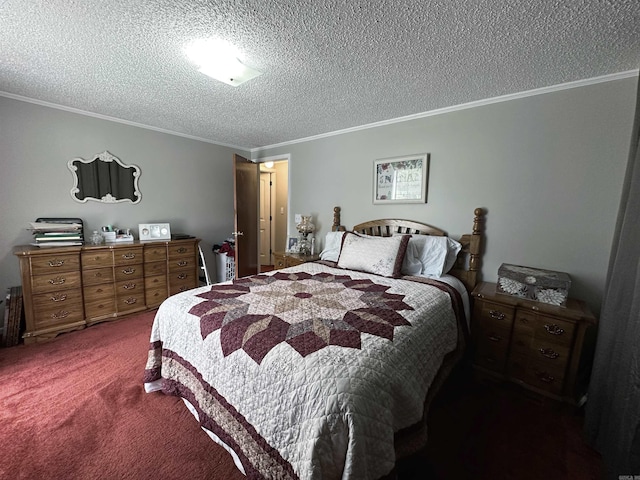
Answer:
(29, 250)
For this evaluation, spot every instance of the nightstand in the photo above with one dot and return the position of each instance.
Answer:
(544, 348)
(286, 259)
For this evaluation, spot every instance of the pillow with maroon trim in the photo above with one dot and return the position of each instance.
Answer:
(379, 255)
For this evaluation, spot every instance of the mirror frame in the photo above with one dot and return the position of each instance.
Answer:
(108, 198)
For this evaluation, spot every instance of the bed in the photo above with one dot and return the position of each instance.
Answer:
(323, 370)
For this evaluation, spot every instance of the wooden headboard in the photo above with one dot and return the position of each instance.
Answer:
(467, 267)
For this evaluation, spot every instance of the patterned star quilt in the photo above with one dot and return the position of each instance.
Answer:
(306, 372)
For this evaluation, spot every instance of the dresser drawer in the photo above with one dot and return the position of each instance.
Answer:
(97, 276)
(99, 301)
(56, 281)
(128, 272)
(130, 286)
(97, 258)
(155, 268)
(54, 315)
(543, 328)
(494, 315)
(182, 280)
(182, 250)
(155, 253)
(155, 296)
(56, 300)
(280, 262)
(128, 256)
(130, 302)
(182, 263)
(538, 374)
(491, 356)
(54, 264)
(540, 349)
(98, 292)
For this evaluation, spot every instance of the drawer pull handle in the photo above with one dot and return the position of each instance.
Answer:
(128, 256)
(181, 250)
(56, 263)
(58, 298)
(182, 263)
(496, 314)
(57, 281)
(130, 301)
(553, 329)
(129, 271)
(545, 377)
(549, 353)
(183, 288)
(495, 338)
(60, 314)
(182, 276)
(129, 286)
(98, 274)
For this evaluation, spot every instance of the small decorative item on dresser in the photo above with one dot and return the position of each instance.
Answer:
(544, 286)
(305, 228)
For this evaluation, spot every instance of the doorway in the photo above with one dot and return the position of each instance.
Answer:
(273, 209)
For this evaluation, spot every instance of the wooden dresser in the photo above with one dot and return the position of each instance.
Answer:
(68, 288)
(544, 348)
(286, 259)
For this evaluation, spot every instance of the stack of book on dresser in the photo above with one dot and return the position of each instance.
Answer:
(56, 234)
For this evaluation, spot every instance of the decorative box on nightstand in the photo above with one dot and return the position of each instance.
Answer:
(286, 259)
(545, 348)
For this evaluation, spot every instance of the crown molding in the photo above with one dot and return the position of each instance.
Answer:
(463, 106)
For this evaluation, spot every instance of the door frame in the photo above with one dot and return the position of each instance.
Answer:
(285, 157)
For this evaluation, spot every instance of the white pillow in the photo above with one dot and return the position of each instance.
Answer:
(380, 255)
(430, 255)
(453, 248)
(332, 244)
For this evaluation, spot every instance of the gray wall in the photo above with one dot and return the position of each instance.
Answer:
(548, 169)
(185, 182)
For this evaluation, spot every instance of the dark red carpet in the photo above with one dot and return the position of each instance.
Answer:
(75, 408)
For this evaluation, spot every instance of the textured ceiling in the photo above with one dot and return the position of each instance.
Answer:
(328, 64)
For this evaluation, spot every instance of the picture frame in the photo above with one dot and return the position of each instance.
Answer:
(401, 179)
(292, 245)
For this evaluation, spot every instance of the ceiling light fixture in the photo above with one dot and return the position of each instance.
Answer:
(268, 164)
(220, 60)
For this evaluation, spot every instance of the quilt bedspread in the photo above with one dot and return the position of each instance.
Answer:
(306, 372)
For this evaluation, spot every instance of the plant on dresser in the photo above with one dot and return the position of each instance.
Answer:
(68, 288)
(542, 347)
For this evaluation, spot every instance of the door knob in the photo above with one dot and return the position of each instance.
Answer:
(237, 233)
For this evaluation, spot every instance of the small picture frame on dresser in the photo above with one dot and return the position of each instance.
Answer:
(292, 245)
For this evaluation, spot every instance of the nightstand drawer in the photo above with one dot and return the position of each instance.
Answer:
(543, 328)
(494, 315)
(540, 349)
(538, 374)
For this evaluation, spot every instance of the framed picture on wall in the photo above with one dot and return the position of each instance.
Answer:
(401, 179)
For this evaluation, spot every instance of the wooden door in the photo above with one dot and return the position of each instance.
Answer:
(245, 204)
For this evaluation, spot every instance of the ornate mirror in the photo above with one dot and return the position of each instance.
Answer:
(104, 178)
